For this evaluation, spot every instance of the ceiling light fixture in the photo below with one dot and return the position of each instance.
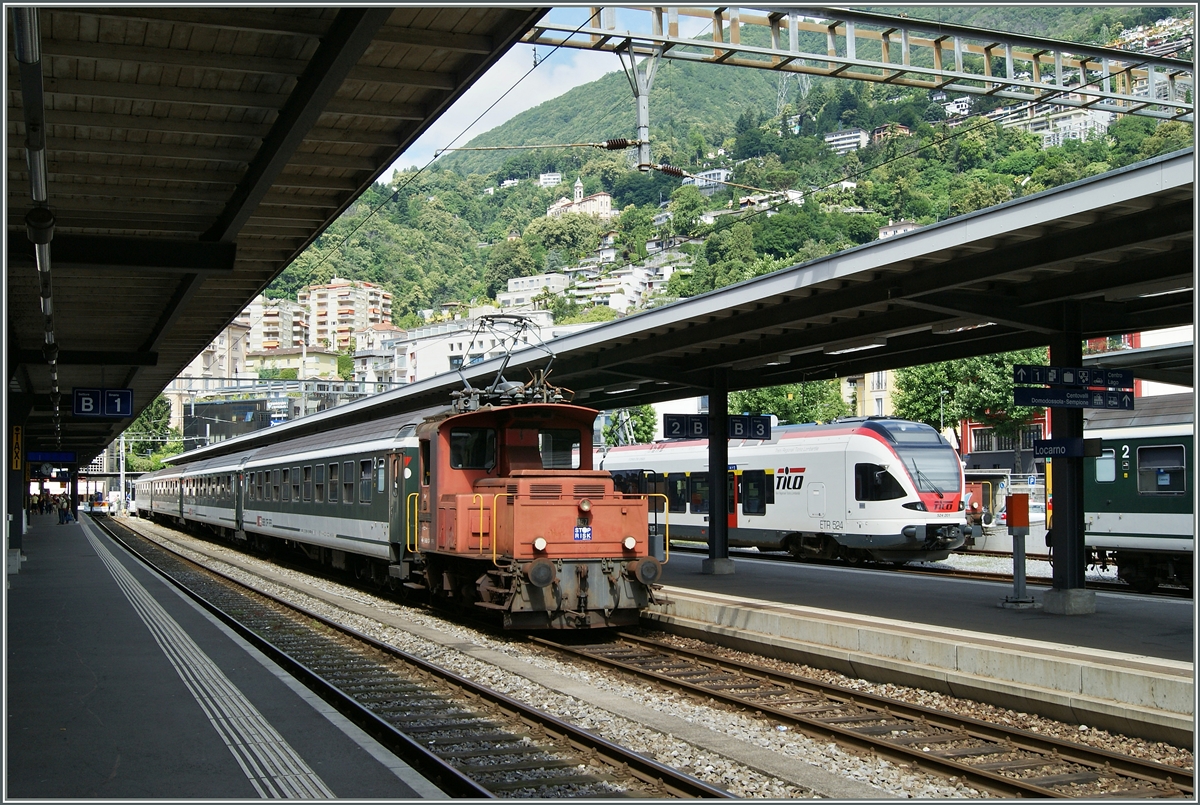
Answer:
(858, 345)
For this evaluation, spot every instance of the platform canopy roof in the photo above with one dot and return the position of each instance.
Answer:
(191, 153)
(1107, 255)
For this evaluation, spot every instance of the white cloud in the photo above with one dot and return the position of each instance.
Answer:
(563, 70)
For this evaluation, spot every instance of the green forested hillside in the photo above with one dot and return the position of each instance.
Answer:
(452, 233)
(1090, 24)
(704, 97)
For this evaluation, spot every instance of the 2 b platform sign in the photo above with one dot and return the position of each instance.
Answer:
(695, 426)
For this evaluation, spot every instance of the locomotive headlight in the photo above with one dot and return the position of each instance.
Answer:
(629, 543)
(585, 505)
(539, 544)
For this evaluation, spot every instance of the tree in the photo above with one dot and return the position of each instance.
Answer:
(507, 260)
(641, 421)
(572, 233)
(345, 368)
(793, 403)
(151, 430)
(598, 313)
(979, 389)
(686, 205)
(926, 394)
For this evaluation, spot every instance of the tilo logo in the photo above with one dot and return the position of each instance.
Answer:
(789, 478)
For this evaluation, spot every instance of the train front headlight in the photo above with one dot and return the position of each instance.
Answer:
(630, 543)
(585, 505)
(916, 505)
(539, 544)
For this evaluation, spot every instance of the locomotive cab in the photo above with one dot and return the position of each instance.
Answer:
(511, 517)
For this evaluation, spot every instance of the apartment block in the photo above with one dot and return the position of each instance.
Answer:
(847, 140)
(339, 308)
(273, 324)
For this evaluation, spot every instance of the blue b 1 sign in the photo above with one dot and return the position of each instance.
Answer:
(116, 403)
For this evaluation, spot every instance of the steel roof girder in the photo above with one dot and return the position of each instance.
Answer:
(348, 37)
(116, 253)
(998, 308)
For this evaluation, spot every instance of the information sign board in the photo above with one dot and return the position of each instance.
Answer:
(1072, 376)
(1072, 398)
(116, 403)
(1065, 448)
(695, 426)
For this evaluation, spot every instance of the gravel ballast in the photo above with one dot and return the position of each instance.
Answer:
(749, 756)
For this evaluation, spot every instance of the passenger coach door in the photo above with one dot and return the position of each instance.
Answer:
(816, 500)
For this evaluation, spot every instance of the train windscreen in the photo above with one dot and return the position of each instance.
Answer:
(932, 469)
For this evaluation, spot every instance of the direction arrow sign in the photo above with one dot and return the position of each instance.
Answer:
(1073, 398)
(1072, 376)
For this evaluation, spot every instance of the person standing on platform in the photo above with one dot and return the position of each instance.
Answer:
(33, 504)
(62, 510)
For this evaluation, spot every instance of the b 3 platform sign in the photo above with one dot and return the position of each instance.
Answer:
(695, 426)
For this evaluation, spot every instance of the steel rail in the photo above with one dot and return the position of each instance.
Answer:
(654, 775)
(1171, 780)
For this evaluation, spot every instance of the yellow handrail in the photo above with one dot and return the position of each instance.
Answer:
(666, 525)
(494, 522)
(410, 523)
(480, 497)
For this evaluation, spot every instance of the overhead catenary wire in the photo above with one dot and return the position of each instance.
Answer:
(617, 144)
(396, 193)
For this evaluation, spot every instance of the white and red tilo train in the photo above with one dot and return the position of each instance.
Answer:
(876, 488)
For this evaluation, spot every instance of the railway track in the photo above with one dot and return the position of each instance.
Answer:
(469, 740)
(1001, 760)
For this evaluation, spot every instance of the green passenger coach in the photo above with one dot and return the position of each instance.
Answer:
(1139, 493)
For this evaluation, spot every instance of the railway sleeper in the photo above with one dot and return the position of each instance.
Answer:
(969, 751)
(1072, 778)
(488, 737)
(520, 765)
(548, 782)
(528, 750)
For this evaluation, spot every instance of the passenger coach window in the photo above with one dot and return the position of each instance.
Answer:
(295, 484)
(275, 485)
(472, 448)
(348, 482)
(698, 489)
(627, 482)
(873, 482)
(287, 485)
(559, 449)
(365, 477)
(1161, 470)
(308, 483)
(677, 493)
(1106, 467)
(754, 492)
(333, 483)
(656, 485)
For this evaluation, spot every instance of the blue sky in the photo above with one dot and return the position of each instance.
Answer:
(562, 70)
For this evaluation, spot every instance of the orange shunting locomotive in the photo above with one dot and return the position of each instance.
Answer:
(510, 516)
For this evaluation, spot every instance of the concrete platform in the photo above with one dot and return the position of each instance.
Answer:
(119, 687)
(924, 632)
